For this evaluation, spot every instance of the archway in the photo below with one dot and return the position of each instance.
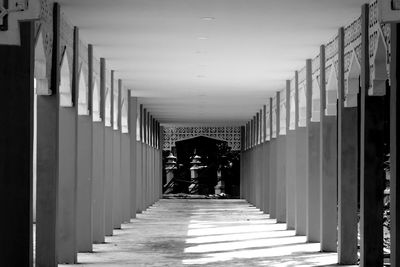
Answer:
(65, 83)
(96, 101)
(107, 109)
(331, 92)
(352, 87)
(218, 161)
(83, 93)
(115, 106)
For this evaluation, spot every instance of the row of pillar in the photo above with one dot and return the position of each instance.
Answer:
(312, 156)
(95, 170)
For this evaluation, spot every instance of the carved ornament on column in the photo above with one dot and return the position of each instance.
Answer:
(379, 52)
(302, 98)
(331, 70)
(282, 112)
(292, 123)
(316, 94)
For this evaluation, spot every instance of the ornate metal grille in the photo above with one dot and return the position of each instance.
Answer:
(232, 135)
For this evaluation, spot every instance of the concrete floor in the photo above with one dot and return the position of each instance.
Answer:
(189, 232)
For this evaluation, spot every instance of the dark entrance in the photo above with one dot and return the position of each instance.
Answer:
(216, 156)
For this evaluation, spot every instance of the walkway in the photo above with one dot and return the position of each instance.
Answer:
(205, 233)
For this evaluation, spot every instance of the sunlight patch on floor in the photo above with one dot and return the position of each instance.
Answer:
(239, 237)
(236, 229)
(229, 246)
(250, 240)
(269, 255)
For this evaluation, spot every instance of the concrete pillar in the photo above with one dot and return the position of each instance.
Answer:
(117, 205)
(371, 160)
(152, 162)
(98, 204)
(147, 162)
(47, 160)
(159, 164)
(84, 165)
(156, 163)
(139, 174)
(243, 178)
(301, 163)
(157, 167)
(139, 164)
(254, 164)
(313, 181)
(265, 161)
(16, 109)
(161, 146)
(281, 157)
(272, 160)
(394, 146)
(259, 181)
(108, 164)
(243, 165)
(290, 156)
(125, 177)
(108, 182)
(125, 156)
(257, 159)
(347, 170)
(67, 175)
(262, 160)
(248, 160)
(242, 151)
(133, 116)
(144, 162)
(84, 194)
(153, 166)
(266, 182)
(251, 165)
(153, 175)
(148, 175)
(328, 171)
(249, 173)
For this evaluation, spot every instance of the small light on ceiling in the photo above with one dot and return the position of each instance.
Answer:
(200, 76)
(202, 38)
(208, 18)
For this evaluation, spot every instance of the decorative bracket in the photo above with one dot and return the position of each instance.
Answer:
(282, 113)
(302, 105)
(378, 67)
(389, 11)
(352, 82)
(315, 100)
(274, 117)
(292, 119)
(11, 13)
(331, 93)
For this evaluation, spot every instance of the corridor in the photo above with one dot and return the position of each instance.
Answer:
(290, 105)
(195, 232)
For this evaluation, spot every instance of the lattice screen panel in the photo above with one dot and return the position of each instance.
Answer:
(231, 135)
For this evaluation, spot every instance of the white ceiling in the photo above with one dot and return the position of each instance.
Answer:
(187, 68)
